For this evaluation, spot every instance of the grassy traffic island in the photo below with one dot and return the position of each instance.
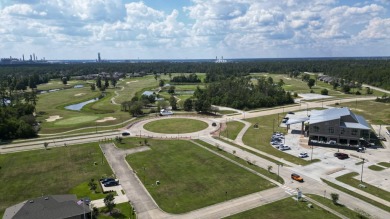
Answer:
(191, 177)
(175, 126)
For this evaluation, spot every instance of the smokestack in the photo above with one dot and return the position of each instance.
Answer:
(30, 57)
(23, 57)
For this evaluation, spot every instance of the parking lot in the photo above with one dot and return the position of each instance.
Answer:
(330, 165)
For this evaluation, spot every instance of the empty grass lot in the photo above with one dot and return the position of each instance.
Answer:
(175, 126)
(260, 138)
(232, 129)
(357, 195)
(341, 208)
(348, 179)
(375, 167)
(365, 109)
(190, 176)
(286, 208)
(385, 164)
(31, 174)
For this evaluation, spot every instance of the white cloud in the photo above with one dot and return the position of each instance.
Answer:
(240, 28)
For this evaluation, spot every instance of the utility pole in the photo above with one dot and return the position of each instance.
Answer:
(311, 158)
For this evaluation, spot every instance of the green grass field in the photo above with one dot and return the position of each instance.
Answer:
(31, 174)
(385, 164)
(357, 195)
(232, 129)
(175, 126)
(341, 208)
(348, 179)
(260, 138)
(124, 211)
(190, 176)
(258, 169)
(286, 208)
(365, 109)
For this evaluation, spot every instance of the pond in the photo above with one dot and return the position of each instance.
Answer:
(78, 86)
(79, 106)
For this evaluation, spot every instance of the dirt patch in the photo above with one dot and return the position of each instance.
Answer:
(105, 119)
(80, 94)
(53, 118)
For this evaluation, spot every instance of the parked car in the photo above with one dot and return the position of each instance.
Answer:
(284, 147)
(341, 156)
(303, 155)
(111, 183)
(290, 112)
(296, 177)
(106, 180)
(361, 150)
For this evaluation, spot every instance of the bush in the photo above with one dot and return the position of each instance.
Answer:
(312, 91)
(324, 92)
(335, 198)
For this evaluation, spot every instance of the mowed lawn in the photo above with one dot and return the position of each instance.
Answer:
(31, 174)
(374, 112)
(232, 129)
(191, 177)
(175, 126)
(286, 208)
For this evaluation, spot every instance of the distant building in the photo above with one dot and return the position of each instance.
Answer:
(339, 125)
(49, 207)
(99, 59)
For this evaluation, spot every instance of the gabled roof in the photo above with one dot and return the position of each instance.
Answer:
(50, 207)
(319, 116)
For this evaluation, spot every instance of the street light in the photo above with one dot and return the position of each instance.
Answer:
(361, 176)
(311, 158)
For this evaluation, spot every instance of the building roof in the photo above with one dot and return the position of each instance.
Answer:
(50, 207)
(319, 116)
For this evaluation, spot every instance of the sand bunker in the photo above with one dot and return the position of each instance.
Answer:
(105, 119)
(80, 94)
(130, 82)
(53, 118)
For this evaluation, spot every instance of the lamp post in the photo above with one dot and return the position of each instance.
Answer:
(361, 176)
(311, 157)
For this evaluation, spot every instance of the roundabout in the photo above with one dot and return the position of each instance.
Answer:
(174, 127)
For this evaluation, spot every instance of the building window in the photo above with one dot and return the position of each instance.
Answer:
(316, 128)
(342, 131)
(331, 130)
(354, 132)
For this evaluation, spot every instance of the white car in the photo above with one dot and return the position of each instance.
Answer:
(283, 148)
(303, 155)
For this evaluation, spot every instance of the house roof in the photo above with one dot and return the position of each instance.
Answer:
(50, 207)
(319, 116)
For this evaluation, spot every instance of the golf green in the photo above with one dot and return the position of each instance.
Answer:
(175, 126)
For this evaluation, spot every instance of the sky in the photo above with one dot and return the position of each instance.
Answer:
(194, 29)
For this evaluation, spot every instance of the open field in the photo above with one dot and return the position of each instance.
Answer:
(48, 172)
(348, 179)
(374, 112)
(258, 169)
(285, 209)
(375, 167)
(57, 84)
(260, 138)
(190, 176)
(299, 86)
(232, 129)
(385, 164)
(341, 207)
(361, 197)
(175, 126)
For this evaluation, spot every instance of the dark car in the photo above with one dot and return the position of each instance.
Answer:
(111, 183)
(125, 133)
(341, 156)
(290, 113)
(106, 180)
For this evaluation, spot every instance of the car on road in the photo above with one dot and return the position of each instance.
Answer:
(111, 183)
(125, 133)
(296, 177)
(341, 156)
(303, 155)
